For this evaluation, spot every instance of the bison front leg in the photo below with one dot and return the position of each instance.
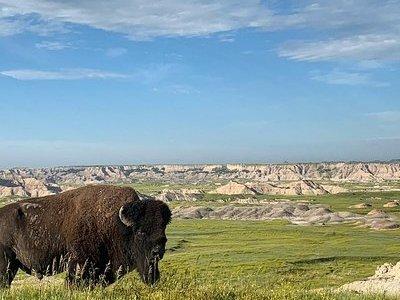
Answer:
(8, 267)
(88, 274)
(88, 265)
(84, 273)
(78, 273)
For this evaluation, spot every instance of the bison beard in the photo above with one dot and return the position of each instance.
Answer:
(148, 268)
(103, 233)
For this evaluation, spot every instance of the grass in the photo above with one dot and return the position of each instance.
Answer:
(221, 259)
(215, 259)
(279, 251)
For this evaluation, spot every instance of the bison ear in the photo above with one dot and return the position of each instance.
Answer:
(131, 213)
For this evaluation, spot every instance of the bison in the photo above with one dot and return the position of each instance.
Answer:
(95, 233)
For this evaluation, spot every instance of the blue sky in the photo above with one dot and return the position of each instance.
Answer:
(126, 82)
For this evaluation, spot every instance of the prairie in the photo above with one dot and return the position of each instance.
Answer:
(216, 259)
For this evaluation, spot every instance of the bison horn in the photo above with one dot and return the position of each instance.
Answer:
(131, 213)
(123, 218)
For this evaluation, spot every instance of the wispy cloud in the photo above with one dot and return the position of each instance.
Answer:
(357, 29)
(67, 74)
(391, 116)
(53, 46)
(347, 78)
(227, 38)
(362, 47)
(148, 75)
(383, 138)
(13, 22)
(177, 89)
(8, 27)
(141, 19)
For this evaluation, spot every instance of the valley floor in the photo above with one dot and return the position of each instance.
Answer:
(215, 259)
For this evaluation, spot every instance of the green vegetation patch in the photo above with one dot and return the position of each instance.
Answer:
(215, 259)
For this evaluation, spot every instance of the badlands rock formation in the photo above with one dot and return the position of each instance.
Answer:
(301, 187)
(360, 205)
(272, 172)
(394, 203)
(235, 188)
(386, 280)
(77, 176)
(27, 187)
(295, 212)
(180, 195)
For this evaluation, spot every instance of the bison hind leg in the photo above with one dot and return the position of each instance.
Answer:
(8, 267)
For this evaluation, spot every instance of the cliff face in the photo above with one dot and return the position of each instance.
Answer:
(27, 187)
(322, 171)
(39, 182)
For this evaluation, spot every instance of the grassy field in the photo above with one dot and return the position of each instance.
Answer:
(214, 259)
(217, 259)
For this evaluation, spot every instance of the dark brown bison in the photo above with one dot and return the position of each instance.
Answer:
(95, 233)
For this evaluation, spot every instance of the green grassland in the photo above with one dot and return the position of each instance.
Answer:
(221, 259)
(215, 259)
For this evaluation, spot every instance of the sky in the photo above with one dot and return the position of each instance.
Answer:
(183, 81)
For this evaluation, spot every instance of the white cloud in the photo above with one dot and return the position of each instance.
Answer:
(142, 19)
(53, 46)
(8, 27)
(355, 15)
(148, 75)
(226, 37)
(67, 74)
(347, 78)
(14, 22)
(362, 47)
(391, 116)
(357, 29)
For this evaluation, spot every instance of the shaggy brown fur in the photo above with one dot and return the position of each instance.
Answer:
(95, 233)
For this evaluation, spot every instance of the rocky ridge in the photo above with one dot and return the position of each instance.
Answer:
(27, 187)
(52, 179)
(301, 187)
(299, 213)
(385, 281)
(180, 195)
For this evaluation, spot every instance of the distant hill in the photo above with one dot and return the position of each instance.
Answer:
(45, 181)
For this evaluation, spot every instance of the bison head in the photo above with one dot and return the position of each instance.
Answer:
(148, 220)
